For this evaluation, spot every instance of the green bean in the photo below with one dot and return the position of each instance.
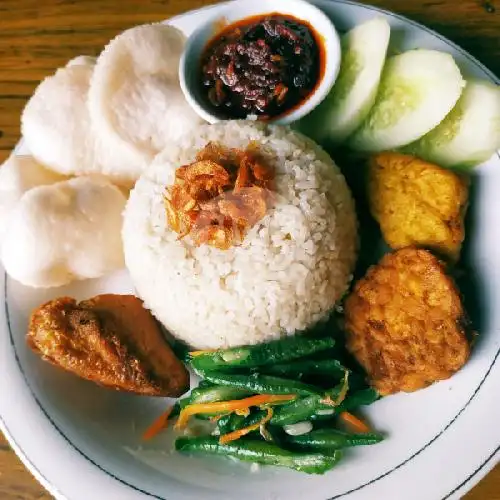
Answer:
(178, 406)
(261, 452)
(296, 411)
(277, 351)
(207, 392)
(203, 384)
(218, 393)
(263, 384)
(332, 439)
(234, 422)
(226, 422)
(354, 400)
(307, 367)
(305, 408)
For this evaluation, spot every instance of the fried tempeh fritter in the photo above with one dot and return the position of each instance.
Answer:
(111, 340)
(405, 322)
(417, 203)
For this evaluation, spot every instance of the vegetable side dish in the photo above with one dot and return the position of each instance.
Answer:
(287, 420)
(263, 65)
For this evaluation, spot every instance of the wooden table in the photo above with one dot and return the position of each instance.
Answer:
(37, 36)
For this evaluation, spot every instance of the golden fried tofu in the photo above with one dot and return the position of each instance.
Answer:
(111, 340)
(405, 322)
(417, 203)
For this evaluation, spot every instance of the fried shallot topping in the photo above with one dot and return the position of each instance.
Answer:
(220, 196)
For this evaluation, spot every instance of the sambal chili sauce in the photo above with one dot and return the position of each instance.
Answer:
(262, 65)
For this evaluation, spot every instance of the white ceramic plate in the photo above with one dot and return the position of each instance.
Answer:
(83, 443)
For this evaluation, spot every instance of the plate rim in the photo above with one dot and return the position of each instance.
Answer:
(472, 479)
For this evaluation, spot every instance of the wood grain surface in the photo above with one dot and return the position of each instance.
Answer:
(37, 36)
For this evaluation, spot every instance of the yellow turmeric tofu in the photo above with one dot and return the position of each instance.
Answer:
(418, 203)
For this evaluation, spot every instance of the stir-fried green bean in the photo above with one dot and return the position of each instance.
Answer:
(209, 393)
(263, 384)
(304, 408)
(234, 422)
(261, 452)
(218, 393)
(359, 398)
(296, 411)
(307, 367)
(331, 439)
(352, 401)
(277, 351)
(289, 366)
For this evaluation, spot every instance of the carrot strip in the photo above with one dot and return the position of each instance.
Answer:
(354, 422)
(199, 353)
(222, 406)
(158, 425)
(345, 387)
(342, 393)
(244, 412)
(233, 436)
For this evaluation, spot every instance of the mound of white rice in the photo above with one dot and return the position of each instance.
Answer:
(290, 270)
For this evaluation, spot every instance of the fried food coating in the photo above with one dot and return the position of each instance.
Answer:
(417, 203)
(111, 340)
(405, 323)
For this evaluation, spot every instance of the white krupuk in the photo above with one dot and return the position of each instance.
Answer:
(56, 124)
(135, 99)
(18, 175)
(64, 232)
(58, 131)
(82, 61)
(417, 90)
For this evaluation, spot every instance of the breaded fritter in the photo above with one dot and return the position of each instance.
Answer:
(111, 340)
(405, 322)
(417, 203)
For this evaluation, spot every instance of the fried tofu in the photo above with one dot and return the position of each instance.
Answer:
(405, 322)
(418, 203)
(111, 340)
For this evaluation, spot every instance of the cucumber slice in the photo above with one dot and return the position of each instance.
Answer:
(363, 55)
(417, 90)
(469, 135)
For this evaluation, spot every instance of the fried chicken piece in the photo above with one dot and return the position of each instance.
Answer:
(111, 340)
(417, 203)
(405, 322)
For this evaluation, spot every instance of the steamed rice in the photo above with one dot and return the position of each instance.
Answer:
(290, 270)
